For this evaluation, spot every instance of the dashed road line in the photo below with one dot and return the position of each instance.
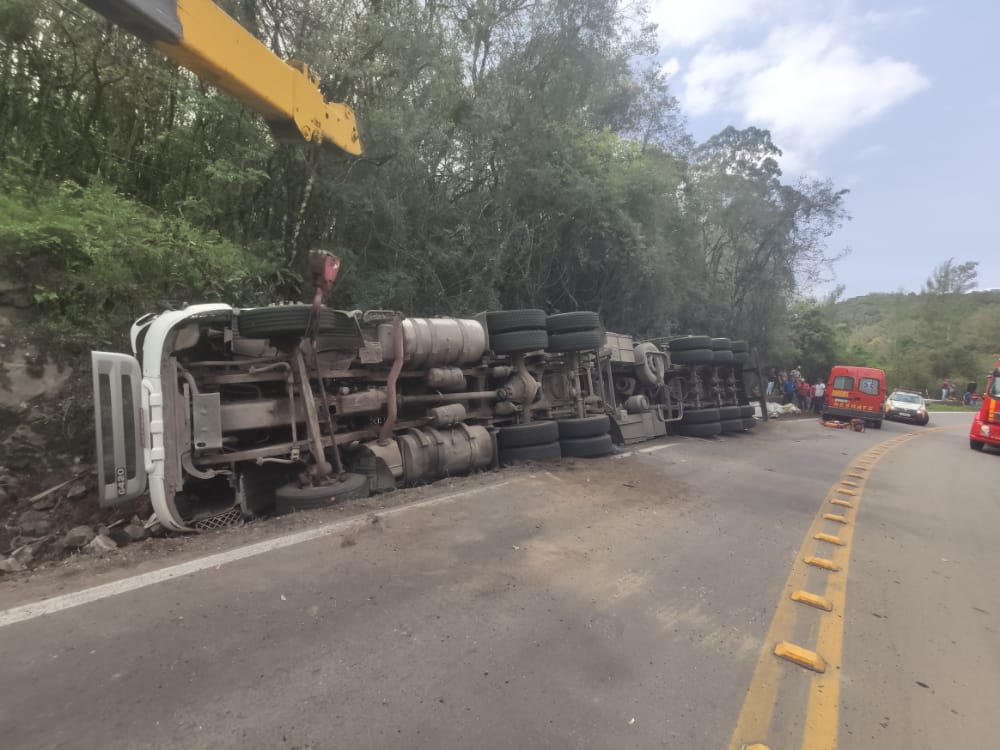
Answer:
(821, 724)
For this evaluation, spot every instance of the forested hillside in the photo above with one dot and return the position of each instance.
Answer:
(516, 154)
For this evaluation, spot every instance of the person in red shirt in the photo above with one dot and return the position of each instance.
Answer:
(803, 394)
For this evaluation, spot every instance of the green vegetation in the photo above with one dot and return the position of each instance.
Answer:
(517, 154)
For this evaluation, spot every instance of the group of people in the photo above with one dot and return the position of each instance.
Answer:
(794, 389)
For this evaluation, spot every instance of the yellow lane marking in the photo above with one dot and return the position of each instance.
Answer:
(813, 600)
(801, 656)
(835, 517)
(843, 491)
(829, 538)
(847, 483)
(822, 562)
(821, 726)
(855, 475)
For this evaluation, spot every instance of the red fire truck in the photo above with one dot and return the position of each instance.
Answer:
(986, 424)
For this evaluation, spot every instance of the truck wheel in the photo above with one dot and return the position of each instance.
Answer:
(692, 357)
(649, 374)
(747, 410)
(684, 343)
(739, 357)
(290, 320)
(588, 447)
(722, 356)
(572, 429)
(732, 425)
(976, 445)
(291, 497)
(532, 433)
(708, 429)
(700, 416)
(730, 412)
(738, 345)
(519, 341)
(576, 341)
(582, 320)
(722, 344)
(547, 452)
(876, 424)
(749, 423)
(503, 321)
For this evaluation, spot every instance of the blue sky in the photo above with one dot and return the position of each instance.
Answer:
(897, 101)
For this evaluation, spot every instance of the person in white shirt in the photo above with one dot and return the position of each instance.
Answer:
(819, 392)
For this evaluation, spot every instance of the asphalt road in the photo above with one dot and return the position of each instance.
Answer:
(620, 603)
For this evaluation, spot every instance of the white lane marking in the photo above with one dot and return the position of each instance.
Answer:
(646, 450)
(114, 588)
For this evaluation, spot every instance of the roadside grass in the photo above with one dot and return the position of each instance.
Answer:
(950, 407)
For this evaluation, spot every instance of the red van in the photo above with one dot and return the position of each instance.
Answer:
(855, 393)
(986, 423)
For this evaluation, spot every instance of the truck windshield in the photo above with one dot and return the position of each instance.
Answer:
(995, 384)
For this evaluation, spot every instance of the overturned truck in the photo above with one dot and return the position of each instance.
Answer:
(226, 414)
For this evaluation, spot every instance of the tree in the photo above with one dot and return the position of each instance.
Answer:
(952, 278)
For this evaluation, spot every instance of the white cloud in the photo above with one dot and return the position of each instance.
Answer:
(687, 22)
(671, 67)
(808, 82)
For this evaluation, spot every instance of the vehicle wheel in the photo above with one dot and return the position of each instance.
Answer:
(290, 320)
(740, 357)
(582, 320)
(576, 341)
(649, 374)
(723, 357)
(684, 343)
(572, 429)
(720, 344)
(519, 341)
(925, 422)
(749, 423)
(730, 412)
(502, 321)
(747, 410)
(876, 424)
(546, 452)
(291, 497)
(732, 425)
(692, 357)
(738, 345)
(532, 433)
(708, 429)
(976, 445)
(700, 416)
(589, 447)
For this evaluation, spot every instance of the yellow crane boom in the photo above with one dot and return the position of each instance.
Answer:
(200, 36)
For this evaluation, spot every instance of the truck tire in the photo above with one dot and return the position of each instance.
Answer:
(976, 445)
(651, 375)
(575, 341)
(747, 410)
(582, 320)
(732, 425)
(721, 343)
(502, 321)
(730, 412)
(700, 416)
(588, 447)
(532, 433)
(289, 320)
(722, 356)
(709, 429)
(291, 497)
(749, 423)
(546, 452)
(740, 357)
(738, 345)
(519, 341)
(692, 357)
(584, 427)
(684, 343)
